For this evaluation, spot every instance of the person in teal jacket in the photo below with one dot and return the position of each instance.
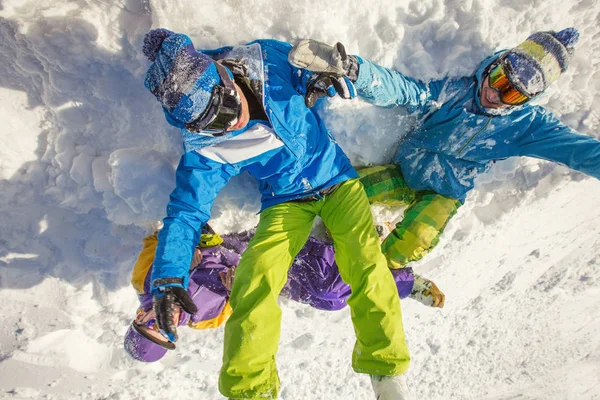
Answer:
(465, 124)
(241, 109)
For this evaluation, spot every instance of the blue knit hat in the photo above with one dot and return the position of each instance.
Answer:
(181, 78)
(539, 60)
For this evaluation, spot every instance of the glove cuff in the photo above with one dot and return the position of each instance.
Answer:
(159, 285)
(351, 67)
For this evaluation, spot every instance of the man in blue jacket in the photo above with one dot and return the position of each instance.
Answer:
(465, 125)
(242, 109)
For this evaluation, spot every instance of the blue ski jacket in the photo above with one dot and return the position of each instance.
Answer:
(457, 138)
(292, 155)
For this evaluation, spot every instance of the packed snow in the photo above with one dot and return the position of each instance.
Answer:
(87, 163)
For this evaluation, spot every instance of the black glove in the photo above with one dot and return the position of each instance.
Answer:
(167, 299)
(328, 84)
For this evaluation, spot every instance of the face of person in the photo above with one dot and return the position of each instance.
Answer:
(490, 98)
(245, 112)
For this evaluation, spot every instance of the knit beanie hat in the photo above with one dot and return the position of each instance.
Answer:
(180, 78)
(539, 60)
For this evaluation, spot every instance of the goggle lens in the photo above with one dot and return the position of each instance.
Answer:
(224, 108)
(508, 93)
(145, 319)
(228, 113)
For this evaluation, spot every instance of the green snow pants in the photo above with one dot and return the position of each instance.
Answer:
(424, 220)
(252, 331)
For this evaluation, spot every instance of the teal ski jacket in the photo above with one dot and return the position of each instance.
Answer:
(292, 155)
(457, 138)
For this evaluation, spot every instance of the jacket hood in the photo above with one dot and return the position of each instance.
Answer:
(479, 78)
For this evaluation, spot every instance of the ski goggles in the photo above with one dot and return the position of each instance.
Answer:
(499, 81)
(144, 319)
(223, 111)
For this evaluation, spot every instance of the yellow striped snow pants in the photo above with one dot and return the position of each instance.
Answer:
(424, 219)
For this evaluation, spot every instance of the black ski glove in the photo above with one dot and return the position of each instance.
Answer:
(328, 84)
(167, 299)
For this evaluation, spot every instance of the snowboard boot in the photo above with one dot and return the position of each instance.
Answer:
(390, 387)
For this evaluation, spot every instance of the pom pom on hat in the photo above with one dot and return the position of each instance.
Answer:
(153, 40)
(568, 37)
(539, 60)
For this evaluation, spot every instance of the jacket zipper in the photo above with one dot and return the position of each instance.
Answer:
(473, 137)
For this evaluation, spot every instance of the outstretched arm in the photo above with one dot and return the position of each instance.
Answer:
(385, 87)
(549, 139)
(378, 85)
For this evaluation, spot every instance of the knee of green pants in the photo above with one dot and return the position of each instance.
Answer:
(410, 244)
(420, 229)
(384, 184)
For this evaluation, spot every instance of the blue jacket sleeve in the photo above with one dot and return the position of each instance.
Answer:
(198, 181)
(388, 88)
(549, 139)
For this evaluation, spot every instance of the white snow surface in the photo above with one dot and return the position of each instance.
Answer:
(87, 163)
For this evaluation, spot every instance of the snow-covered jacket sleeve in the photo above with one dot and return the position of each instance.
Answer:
(549, 139)
(198, 181)
(385, 87)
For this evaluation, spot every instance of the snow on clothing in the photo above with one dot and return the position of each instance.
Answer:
(456, 140)
(293, 157)
(313, 279)
(301, 157)
(424, 219)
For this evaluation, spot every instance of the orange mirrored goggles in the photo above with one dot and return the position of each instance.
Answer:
(509, 94)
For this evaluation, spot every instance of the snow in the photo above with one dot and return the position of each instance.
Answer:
(86, 166)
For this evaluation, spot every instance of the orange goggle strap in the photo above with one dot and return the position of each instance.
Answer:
(509, 94)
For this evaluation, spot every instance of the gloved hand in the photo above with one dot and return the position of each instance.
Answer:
(426, 292)
(167, 300)
(337, 70)
(327, 84)
(320, 57)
